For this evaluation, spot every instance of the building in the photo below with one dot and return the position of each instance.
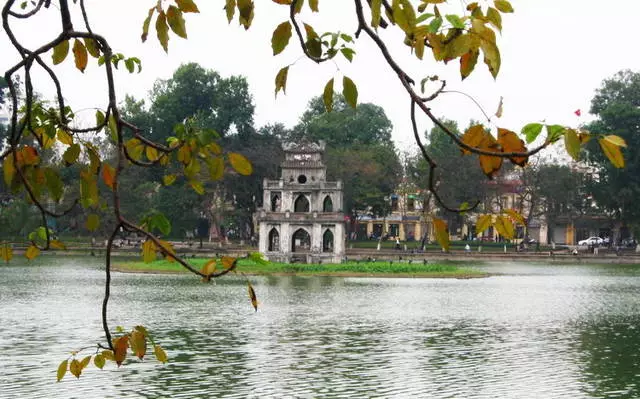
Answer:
(301, 219)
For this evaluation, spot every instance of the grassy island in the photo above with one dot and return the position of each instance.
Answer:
(365, 269)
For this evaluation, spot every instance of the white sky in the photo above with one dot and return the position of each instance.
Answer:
(555, 53)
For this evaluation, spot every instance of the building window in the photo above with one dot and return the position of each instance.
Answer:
(327, 205)
(327, 241)
(302, 179)
(274, 240)
(301, 204)
(301, 241)
(411, 204)
(275, 202)
(394, 230)
(394, 203)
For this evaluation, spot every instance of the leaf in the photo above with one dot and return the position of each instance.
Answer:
(510, 142)
(152, 153)
(120, 345)
(146, 23)
(616, 140)
(490, 164)
(160, 354)
(148, 251)
(162, 31)
(313, 43)
(252, 296)
(376, 6)
(93, 222)
(216, 168)
(85, 362)
(612, 151)
(516, 216)
(32, 252)
(531, 131)
(349, 91)
(327, 95)
(504, 227)
(499, 110)
(60, 52)
(280, 37)
(62, 370)
(468, 62)
(187, 6)
(483, 223)
(258, 258)
(240, 163)
(554, 132)
(176, 21)
(404, 15)
(313, 5)
(92, 47)
(168, 250)
(57, 244)
(169, 179)
(455, 21)
(160, 222)
(473, 137)
(230, 7)
(138, 343)
(494, 18)
(64, 137)
(503, 6)
(70, 156)
(281, 80)
(207, 269)
(108, 355)
(442, 233)
(229, 262)
(245, 8)
(98, 361)
(197, 186)
(6, 253)
(108, 175)
(75, 368)
(113, 128)
(347, 53)
(80, 55)
(572, 143)
(8, 169)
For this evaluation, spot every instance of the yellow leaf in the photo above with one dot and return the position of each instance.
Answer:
(98, 361)
(169, 179)
(490, 164)
(216, 168)
(120, 345)
(152, 153)
(138, 343)
(85, 362)
(252, 296)
(612, 151)
(349, 91)
(176, 21)
(108, 355)
(473, 137)
(617, 140)
(75, 368)
(60, 52)
(92, 47)
(240, 163)
(245, 8)
(80, 55)
(160, 354)
(108, 175)
(468, 62)
(503, 6)
(6, 253)
(8, 169)
(148, 251)
(197, 186)
(207, 269)
(280, 37)
(187, 6)
(93, 222)
(230, 7)
(483, 223)
(32, 252)
(516, 216)
(494, 18)
(504, 227)
(572, 143)
(281, 80)
(228, 262)
(442, 233)
(64, 137)
(62, 370)
(510, 142)
(146, 23)
(162, 31)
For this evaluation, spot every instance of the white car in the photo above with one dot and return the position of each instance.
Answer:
(591, 241)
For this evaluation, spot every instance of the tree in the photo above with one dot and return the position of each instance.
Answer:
(36, 127)
(614, 189)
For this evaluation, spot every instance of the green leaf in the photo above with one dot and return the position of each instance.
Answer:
(176, 21)
(145, 25)
(54, 184)
(435, 24)
(281, 80)
(93, 222)
(327, 95)
(376, 6)
(187, 6)
(60, 52)
(80, 55)
(113, 128)
(554, 132)
(572, 143)
(313, 5)
(350, 92)
(160, 222)
(503, 6)
(98, 361)
(197, 186)
(531, 131)
(169, 179)
(494, 18)
(71, 155)
(162, 31)
(348, 53)
(99, 118)
(280, 38)
(240, 163)
(455, 21)
(62, 370)
(258, 258)
(92, 47)
(230, 7)
(404, 15)
(8, 169)
(216, 168)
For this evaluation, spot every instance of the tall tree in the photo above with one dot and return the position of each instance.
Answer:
(616, 190)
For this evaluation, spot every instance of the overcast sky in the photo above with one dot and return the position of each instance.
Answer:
(555, 53)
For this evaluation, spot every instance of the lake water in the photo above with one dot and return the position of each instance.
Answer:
(534, 332)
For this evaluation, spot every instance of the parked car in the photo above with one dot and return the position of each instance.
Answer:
(629, 242)
(591, 241)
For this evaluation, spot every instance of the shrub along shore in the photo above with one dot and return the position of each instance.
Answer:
(347, 269)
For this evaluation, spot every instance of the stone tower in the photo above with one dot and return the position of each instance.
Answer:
(302, 217)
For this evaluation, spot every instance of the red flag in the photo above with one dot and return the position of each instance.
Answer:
(577, 112)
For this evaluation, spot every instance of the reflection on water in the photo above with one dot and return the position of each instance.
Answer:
(537, 332)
